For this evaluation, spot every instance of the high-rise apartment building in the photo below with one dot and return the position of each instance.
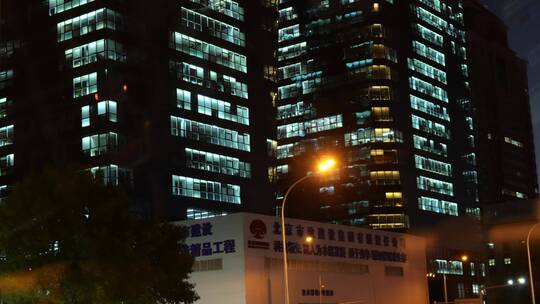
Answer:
(521, 16)
(168, 98)
(505, 142)
(384, 87)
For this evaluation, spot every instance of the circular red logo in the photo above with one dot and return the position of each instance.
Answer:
(258, 229)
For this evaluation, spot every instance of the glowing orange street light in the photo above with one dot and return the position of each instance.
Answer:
(326, 165)
(464, 258)
(322, 167)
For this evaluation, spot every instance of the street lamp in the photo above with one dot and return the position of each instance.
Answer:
(309, 240)
(323, 167)
(531, 278)
(463, 258)
(509, 283)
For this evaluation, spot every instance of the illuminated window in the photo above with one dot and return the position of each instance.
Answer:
(385, 177)
(430, 127)
(288, 33)
(270, 73)
(430, 145)
(291, 110)
(85, 85)
(434, 4)
(58, 6)
(394, 195)
(226, 7)
(516, 194)
(85, 114)
(183, 99)
(428, 89)
(5, 78)
(87, 23)
(429, 35)
(291, 51)
(108, 110)
(507, 261)
(430, 108)
(290, 90)
(476, 289)
(6, 164)
(222, 109)
(433, 20)
(364, 136)
(282, 170)
(186, 128)
(4, 104)
(199, 214)
(381, 51)
(513, 142)
(103, 110)
(287, 14)
(381, 114)
(204, 189)
(209, 79)
(358, 69)
(376, 31)
(382, 156)
(8, 47)
(290, 150)
(435, 185)
(213, 162)
(470, 123)
(387, 221)
(438, 206)
(6, 136)
(292, 70)
(310, 126)
(109, 173)
(426, 70)
(207, 51)
(431, 165)
(376, 93)
(429, 53)
(100, 144)
(104, 49)
(215, 28)
(447, 267)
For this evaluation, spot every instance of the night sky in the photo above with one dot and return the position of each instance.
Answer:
(523, 20)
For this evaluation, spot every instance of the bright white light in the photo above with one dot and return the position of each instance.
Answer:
(510, 282)
(522, 281)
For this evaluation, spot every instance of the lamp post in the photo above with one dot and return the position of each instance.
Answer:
(464, 258)
(309, 240)
(323, 166)
(510, 283)
(531, 278)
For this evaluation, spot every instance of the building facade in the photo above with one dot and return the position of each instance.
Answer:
(506, 228)
(521, 16)
(169, 100)
(239, 259)
(384, 87)
(505, 142)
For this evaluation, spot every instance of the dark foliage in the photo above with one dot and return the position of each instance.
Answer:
(68, 238)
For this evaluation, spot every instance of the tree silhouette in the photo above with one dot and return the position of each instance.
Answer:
(68, 238)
